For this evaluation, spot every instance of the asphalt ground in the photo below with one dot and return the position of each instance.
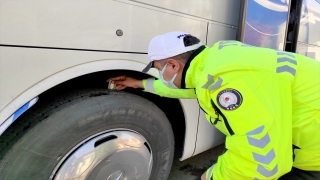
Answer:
(194, 167)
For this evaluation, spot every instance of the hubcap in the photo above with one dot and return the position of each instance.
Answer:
(112, 155)
(116, 176)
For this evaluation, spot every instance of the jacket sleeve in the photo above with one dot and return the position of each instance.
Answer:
(157, 87)
(259, 130)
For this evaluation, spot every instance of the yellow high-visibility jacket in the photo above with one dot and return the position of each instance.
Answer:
(266, 102)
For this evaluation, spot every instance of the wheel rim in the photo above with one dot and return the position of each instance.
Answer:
(118, 154)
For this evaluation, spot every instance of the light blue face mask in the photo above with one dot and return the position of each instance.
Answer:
(170, 83)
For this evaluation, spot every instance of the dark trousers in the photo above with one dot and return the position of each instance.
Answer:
(298, 174)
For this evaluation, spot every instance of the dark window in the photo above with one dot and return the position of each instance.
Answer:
(266, 23)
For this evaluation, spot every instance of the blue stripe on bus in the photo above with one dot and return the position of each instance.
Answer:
(20, 111)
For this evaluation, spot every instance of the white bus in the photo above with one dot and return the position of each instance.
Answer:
(58, 120)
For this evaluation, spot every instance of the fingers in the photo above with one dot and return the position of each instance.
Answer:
(119, 82)
(120, 87)
(118, 78)
(123, 82)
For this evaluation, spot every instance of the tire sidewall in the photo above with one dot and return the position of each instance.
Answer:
(62, 128)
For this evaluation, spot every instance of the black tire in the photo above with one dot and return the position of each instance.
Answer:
(56, 128)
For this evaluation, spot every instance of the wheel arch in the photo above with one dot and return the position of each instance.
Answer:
(63, 76)
(69, 78)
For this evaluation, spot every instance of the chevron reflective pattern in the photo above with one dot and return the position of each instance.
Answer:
(286, 68)
(266, 172)
(260, 143)
(283, 59)
(287, 60)
(210, 81)
(211, 85)
(216, 85)
(262, 158)
(223, 44)
(246, 45)
(285, 53)
(256, 131)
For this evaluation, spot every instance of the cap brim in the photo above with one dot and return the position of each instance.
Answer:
(148, 67)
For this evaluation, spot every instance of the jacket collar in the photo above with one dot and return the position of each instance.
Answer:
(190, 68)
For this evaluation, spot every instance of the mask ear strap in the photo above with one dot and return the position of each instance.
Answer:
(161, 73)
(171, 84)
(173, 78)
(164, 67)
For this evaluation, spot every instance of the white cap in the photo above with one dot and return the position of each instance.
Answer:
(167, 45)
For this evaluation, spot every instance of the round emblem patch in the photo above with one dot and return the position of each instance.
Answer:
(229, 99)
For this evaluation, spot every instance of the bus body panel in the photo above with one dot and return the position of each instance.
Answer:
(88, 25)
(43, 44)
(225, 11)
(93, 33)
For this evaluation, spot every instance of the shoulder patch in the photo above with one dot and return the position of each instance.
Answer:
(229, 99)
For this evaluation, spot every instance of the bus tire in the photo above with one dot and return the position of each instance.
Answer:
(135, 130)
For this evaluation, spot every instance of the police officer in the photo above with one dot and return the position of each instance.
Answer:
(266, 102)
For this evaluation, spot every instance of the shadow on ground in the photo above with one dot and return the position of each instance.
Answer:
(194, 167)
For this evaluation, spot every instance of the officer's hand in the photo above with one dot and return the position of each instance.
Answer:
(125, 81)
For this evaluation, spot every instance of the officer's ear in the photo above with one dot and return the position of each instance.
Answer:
(174, 64)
